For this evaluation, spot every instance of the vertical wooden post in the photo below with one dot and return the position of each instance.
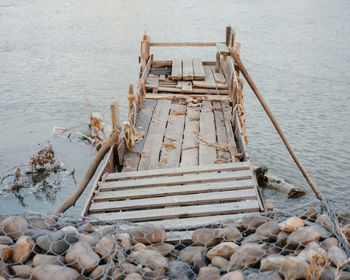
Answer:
(233, 38)
(228, 35)
(217, 62)
(115, 115)
(144, 54)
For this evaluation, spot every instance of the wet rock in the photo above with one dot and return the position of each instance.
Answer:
(204, 237)
(128, 268)
(133, 276)
(310, 214)
(224, 249)
(327, 275)
(149, 258)
(124, 240)
(268, 275)
(54, 272)
(194, 256)
(314, 253)
(252, 223)
(6, 252)
(88, 239)
(164, 249)
(281, 239)
(147, 235)
(291, 267)
(209, 273)
(14, 226)
(105, 247)
(337, 256)
(82, 257)
(47, 259)
(24, 271)
(233, 275)
(117, 274)
(70, 234)
(220, 262)
(248, 255)
(325, 221)
(291, 224)
(179, 270)
(329, 242)
(268, 230)
(53, 242)
(302, 236)
(230, 233)
(5, 240)
(23, 249)
(98, 272)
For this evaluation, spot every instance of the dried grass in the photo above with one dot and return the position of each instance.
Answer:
(178, 113)
(194, 119)
(169, 146)
(222, 147)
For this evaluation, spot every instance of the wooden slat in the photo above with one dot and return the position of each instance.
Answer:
(222, 156)
(209, 82)
(178, 212)
(198, 70)
(152, 81)
(153, 143)
(228, 127)
(218, 77)
(183, 44)
(176, 70)
(174, 190)
(160, 96)
(179, 84)
(176, 200)
(187, 70)
(222, 48)
(207, 154)
(240, 138)
(187, 86)
(160, 181)
(195, 90)
(132, 158)
(171, 149)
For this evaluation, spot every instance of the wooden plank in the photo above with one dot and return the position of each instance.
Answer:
(144, 116)
(209, 82)
(171, 149)
(226, 108)
(153, 143)
(179, 170)
(240, 139)
(207, 154)
(176, 70)
(187, 70)
(176, 200)
(222, 156)
(198, 70)
(190, 147)
(218, 77)
(187, 86)
(179, 84)
(152, 81)
(160, 181)
(195, 90)
(174, 190)
(178, 212)
(222, 49)
(147, 69)
(163, 96)
(182, 44)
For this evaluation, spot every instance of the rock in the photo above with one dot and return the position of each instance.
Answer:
(220, 262)
(41, 223)
(133, 276)
(47, 259)
(23, 249)
(149, 258)
(139, 247)
(35, 233)
(321, 230)
(4, 273)
(302, 236)
(291, 224)
(252, 223)
(98, 272)
(327, 275)
(310, 214)
(325, 221)
(117, 274)
(344, 275)
(281, 239)
(24, 271)
(71, 234)
(88, 239)
(105, 247)
(253, 238)
(314, 253)
(210, 273)
(148, 273)
(14, 226)
(268, 230)
(344, 217)
(204, 237)
(87, 227)
(230, 233)
(5, 240)
(82, 257)
(346, 231)
(233, 275)
(147, 235)
(194, 256)
(124, 240)
(6, 252)
(54, 272)
(268, 275)
(179, 270)
(53, 242)
(128, 268)
(164, 249)
(248, 255)
(224, 249)
(291, 267)
(337, 256)
(329, 242)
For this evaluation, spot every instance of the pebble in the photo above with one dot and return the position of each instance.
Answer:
(82, 257)
(327, 275)
(139, 247)
(268, 230)
(47, 259)
(71, 234)
(98, 272)
(230, 233)
(268, 275)
(310, 214)
(165, 249)
(133, 276)
(253, 238)
(23, 249)
(35, 233)
(117, 274)
(291, 224)
(325, 221)
(320, 229)
(252, 223)
(224, 249)
(5, 240)
(105, 247)
(204, 237)
(148, 273)
(6, 252)
(55, 272)
(53, 242)
(329, 242)
(208, 273)
(337, 256)
(14, 226)
(247, 255)
(314, 253)
(24, 271)
(302, 236)
(124, 240)
(41, 223)
(128, 268)
(149, 258)
(233, 275)
(147, 235)
(179, 270)
(281, 239)
(220, 262)
(88, 238)
(194, 256)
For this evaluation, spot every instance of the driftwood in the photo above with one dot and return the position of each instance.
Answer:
(269, 180)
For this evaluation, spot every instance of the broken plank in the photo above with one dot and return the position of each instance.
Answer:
(198, 70)
(222, 156)
(176, 70)
(226, 109)
(187, 70)
(222, 49)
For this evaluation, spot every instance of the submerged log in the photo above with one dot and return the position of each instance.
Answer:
(269, 180)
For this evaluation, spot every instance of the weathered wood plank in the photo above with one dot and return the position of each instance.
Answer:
(209, 82)
(198, 70)
(183, 44)
(207, 154)
(222, 156)
(175, 180)
(176, 200)
(218, 77)
(174, 190)
(176, 70)
(153, 143)
(187, 86)
(194, 90)
(171, 149)
(229, 128)
(160, 96)
(222, 48)
(187, 70)
(178, 212)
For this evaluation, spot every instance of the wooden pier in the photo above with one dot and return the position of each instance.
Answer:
(182, 160)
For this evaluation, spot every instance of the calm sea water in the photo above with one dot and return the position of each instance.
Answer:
(55, 52)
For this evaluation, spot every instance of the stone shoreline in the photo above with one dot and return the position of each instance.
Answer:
(258, 247)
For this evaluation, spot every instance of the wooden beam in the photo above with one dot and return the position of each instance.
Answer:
(160, 96)
(182, 44)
